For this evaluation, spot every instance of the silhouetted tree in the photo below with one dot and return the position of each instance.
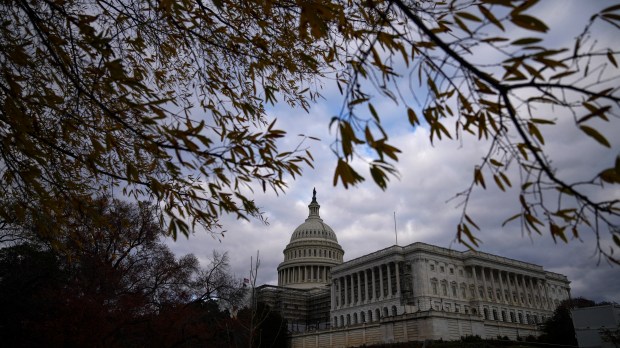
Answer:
(112, 282)
(559, 328)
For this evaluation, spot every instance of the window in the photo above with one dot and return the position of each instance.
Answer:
(461, 272)
(457, 308)
(454, 291)
(444, 289)
(432, 267)
(442, 269)
(434, 285)
(451, 271)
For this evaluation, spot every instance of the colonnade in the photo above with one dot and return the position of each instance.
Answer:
(507, 287)
(304, 274)
(375, 283)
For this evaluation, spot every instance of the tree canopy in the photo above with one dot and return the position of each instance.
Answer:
(167, 100)
(113, 282)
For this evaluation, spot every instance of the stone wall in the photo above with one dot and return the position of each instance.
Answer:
(419, 326)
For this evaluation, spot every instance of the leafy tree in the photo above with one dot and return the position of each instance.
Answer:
(271, 329)
(559, 328)
(111, 282)
(163, 100)
(166, 100)
(488, 72)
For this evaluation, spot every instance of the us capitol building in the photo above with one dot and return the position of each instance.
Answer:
(404, 293)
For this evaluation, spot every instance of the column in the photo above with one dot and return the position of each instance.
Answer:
(366, 286)
(475, 273)
(397, 279)
(358, 275)
(340, 291)
(493, 285)
(509, 287)
(374, 287)
(501, 287)
(381, 282)
(346, 292)
(389, 279)
(484, 285)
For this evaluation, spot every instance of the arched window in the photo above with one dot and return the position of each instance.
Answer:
(354, 318)
(369, 316)
(348, 319)
(377, 314)
(342, 320)
(394, 311)
(495, 314)
(335, 321)
(385, 312)
(362, 317)
(486, 313)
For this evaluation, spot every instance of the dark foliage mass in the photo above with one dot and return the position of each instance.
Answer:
(114, 283)
(559, 328)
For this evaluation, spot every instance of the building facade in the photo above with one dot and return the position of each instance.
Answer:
(421, 277)
(404, 293)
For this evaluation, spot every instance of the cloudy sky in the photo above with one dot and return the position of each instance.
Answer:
(363, 217)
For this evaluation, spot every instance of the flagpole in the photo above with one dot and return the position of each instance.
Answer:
(395, 233)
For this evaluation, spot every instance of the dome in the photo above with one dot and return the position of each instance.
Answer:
(311, 253)
(314, 227)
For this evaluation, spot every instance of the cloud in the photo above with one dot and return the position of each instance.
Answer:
(363, 217)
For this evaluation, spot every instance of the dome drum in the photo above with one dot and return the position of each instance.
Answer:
(311, 253)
